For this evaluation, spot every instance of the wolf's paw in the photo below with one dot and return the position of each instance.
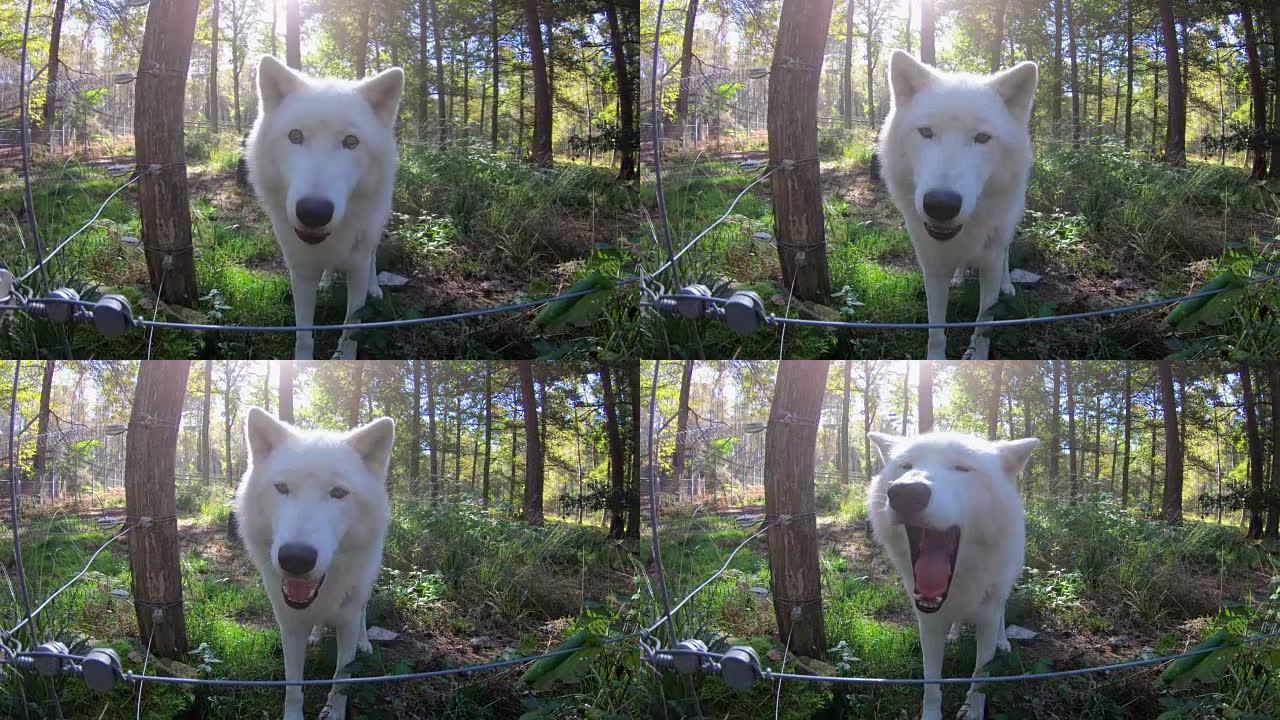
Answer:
(334, 709)
(1003, 645)
(931, 715)
(365, 646)
(375, 291)
(1007, 289)
(293, 713)
(347, 350)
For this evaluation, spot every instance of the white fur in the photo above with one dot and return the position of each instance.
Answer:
(347, 533)
(990, 177)
(983, 501)
(358, 181)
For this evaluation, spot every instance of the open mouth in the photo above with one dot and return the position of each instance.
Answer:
(942, 232)
(311, 237)
(933, 563)
(299, 593)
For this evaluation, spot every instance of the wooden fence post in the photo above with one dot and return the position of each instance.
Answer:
(151, 507)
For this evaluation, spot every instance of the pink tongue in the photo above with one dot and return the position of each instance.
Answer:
(933, 564)
(299, 590)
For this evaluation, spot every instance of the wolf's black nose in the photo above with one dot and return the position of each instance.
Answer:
(296, 558)
(909, 496)
(314, 211)
(938, 204)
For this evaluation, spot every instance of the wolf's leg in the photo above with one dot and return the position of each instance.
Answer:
(335, 707)
(988, 293)
(375, 290)
(954, 633)
(932, 640)
(357, 291)
(958, 279)
(293, 640)
(304, 311)
(317, 634)
(936, 290)
(975, 702)
(1006, 280)
(362, 642)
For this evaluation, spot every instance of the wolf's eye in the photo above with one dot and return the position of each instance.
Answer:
(282, 488)
(926, 132)
(338, 493)
(349, 142)
(981, 138)
(295, 136)
(963, 468)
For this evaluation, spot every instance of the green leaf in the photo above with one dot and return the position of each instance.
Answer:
(580, 310)
(1206, 668)
(568, 668)
(1187, 313)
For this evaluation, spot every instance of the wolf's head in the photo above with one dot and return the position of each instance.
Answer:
(322, 139)
(954, 133)
(309, 495)
(939, 486)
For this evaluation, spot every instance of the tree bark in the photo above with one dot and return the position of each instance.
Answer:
(993, 400)
(357, 392)
(433, 458)
(497, 63)
(1073, 467)
(1275, 75)
(158, 136)
(1175, 138)
(442, 128)
(1254, 443)
(533, 476)
(844, 464)
(1272, 528)
(676, 483)
(292, 35)
(928, 21)
(361, 50)
(42, 428)
(488, 429)
(1257, 91)
(924, 419)
(1055, 108)
(211, 94)
(1128, 77)
(795, 579)
(206, 411)
(793, 136)
(541, 88)
(1075, 84)
(415, 432)
(424, 65)
(625, 76)
(287, 372)
(1055, 430)
(47, 113)
(846, 71)
(1171, 507)
(997, 38)
(686, 62)
(617, 467)
(1128, 427)
(633, 509)
(151, 507)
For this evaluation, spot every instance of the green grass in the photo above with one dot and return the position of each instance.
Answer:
(462, 219)
(1097, 219)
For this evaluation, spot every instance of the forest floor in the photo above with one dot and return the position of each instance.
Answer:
(1153, 600)
(1103, 230)
(470, 230)
(449, 605)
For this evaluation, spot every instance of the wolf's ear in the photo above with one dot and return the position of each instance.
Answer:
(275, 81)
(885, 444)
(907, 76)
(1014, 454)
(1017, 87)
(383, 92)
(373, 443)
(264, 433)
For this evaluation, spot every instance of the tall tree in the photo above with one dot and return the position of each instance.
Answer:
(415, 432)
(1272, 528)
(424, 72)
(150, 492)
(1073, 467)
(1055, 430)
(434, 464)
(625, 78)
(442, 128)
(205, 461)
(211, 114)
(361, 49)
(993, 400)
(287, 372)
(497, 63)
(1171, 507)
(356, 394)
(42, 427)
(1128, 76)
(846, 69)
(633, 511)
(676, 484)
(1253, 442)
(924, 419)
(617, 467)
(488, 429)
(790, 442)
(686, 62)
(1257, 91)
(541, 87)
(997, 37)
(292, 35)
(533, 474)
(928, 22)
(1128, 427)
(1073, 29)
(55, 62)
(844, 463)
(1175, 137)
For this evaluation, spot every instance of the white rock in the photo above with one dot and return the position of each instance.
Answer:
(1024, 277)
(760, 591)
(390, 279)
(1017, 632)
(382, 634)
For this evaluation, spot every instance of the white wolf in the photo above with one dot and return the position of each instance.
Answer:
(947, 510)
(322, 161)
(955, 153)
(313, 512)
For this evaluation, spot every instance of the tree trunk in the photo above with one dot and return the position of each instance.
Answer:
(292, 35)
(868, 395)
(617, 468)
(361, 50)
(541, 89)
(1072, 466)
(1128, 76)
(793, 136)
(1175, 138)
(158, 136)
(1257, 91)
(532, 508)
(871, 77)
(1128, 427)
(633, 509)
(844, 464)
(1254, 443)
(441, 117)
(928, 30)
(357, 392)
(790, 441)
(997, 38)
(686, 62)
(1273, 510)
(1055, 430)
(497, 62)
(415, 433)
(1075, 82)
(676, 483)
(625, 77)
(287, 372)
(151, 507)
(212, 114)
(1171, 507)
(1275, 74)
(993, 400)
(55, 60)
(924, 419)
(42, 428)
(433, 459)
(457, 442)
(1097, 437)
(206, 411)
(488, 429)
(424, 72)
(846, 71)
